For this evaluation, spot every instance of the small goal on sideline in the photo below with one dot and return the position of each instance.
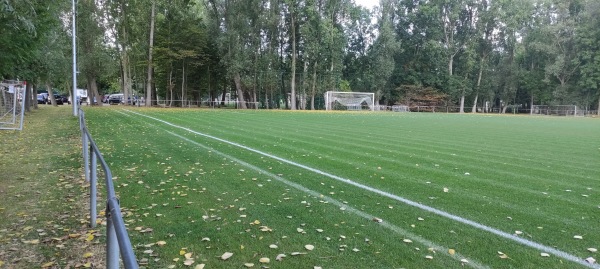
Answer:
(557, 110)
(353, 101)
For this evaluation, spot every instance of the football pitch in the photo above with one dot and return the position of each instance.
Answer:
(281, 189)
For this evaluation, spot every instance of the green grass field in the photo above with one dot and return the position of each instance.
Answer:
(533, 178)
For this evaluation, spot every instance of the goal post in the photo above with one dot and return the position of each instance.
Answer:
(353, 101)
(556, 110)
(12, 104)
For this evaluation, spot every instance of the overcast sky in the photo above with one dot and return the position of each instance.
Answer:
(367, 3)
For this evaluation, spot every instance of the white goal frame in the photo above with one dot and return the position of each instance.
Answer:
(12, 104)
(556, 110)
(351, 100)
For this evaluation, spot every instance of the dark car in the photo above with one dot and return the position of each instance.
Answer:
(60, 100)
(115, 99)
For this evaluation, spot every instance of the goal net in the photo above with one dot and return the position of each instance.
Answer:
(556, 110)
(12, 105)
(355, 101)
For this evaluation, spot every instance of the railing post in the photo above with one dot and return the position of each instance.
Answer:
(112, 245)
(93, 189)
(86, 156)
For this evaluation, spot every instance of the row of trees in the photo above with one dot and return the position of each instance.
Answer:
(286, 53)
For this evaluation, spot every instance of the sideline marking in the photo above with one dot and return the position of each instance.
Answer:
(529, 243)
(394, 228)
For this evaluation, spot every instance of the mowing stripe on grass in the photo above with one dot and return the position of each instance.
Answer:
(459, 219)
(392, 227)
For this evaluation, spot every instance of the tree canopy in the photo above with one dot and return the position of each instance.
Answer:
(286, 54)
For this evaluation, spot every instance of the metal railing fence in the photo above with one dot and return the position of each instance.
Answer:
(117, 239)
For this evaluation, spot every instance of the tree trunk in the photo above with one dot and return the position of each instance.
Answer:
(50, 94)
(92, 89)
(531, 105)
(34, 93)
(599, 104)
(223, 95)
(183, 97)
(27, 97)
(171, 86)
(293, 79)
(474, 110)
(462, 102)
(238, 88)
(313, 90)
(148, 101)
(126, 76)
(479, 76)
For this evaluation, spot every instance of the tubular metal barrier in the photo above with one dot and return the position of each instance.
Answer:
(117, 239)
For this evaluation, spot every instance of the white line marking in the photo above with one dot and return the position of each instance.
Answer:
(339, 204)
(471, 223)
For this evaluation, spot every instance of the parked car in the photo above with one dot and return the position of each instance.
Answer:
(115, 99)
(41, 99)
(60, 100)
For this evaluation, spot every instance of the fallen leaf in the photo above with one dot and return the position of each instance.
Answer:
(89, 238)
(464, 261)
(273, 246)
(199, 266)
(590, 260)
(249, 264)
(429, 257)
(88, 254)
(544, 254)
(264, 260)
(309, 247)
(188, 262)
(407, 240)
(226, 255)
(451, 251)
(280, 257)
(161, 243)
(592, 250)
(578, 237)
(45, 265)
(445, 190)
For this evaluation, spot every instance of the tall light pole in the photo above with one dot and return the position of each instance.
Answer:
(74, 95)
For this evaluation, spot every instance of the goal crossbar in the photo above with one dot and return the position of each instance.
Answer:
(349, 100)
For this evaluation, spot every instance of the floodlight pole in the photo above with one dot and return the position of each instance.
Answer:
(74, 95)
